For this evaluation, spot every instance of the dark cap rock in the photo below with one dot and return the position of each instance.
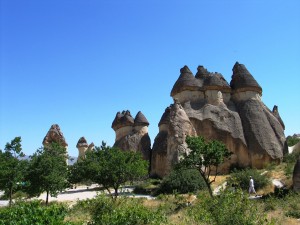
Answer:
(216, 81)
(140, 120)
(82, 143)
(165, 118)
(202, 72)
(186, 81)
(122, 120)
(242, 80)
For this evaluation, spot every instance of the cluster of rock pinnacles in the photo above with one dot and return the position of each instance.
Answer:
(204, 105)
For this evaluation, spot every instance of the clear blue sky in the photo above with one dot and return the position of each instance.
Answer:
(77, 63)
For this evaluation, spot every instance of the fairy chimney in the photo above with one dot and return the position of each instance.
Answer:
(54, 135)
(132, 134)
(82, 147)
(123, 124)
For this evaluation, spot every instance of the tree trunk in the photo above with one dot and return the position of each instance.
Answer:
(207, 182)
(208, 187)
(47, 198)
(116, 193)
(209, 190)
(10, 195)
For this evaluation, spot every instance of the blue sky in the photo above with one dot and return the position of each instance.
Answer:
(77, 63)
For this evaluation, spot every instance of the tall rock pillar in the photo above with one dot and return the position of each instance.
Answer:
(55, 135)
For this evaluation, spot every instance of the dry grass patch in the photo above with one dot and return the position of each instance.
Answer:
(220, 179)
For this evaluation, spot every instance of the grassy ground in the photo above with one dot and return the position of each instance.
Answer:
(284, 210)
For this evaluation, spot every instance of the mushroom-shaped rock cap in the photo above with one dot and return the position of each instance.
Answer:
(202, 72)
(242, 80)
(277, 115)
(165, 118)
(122, 120)
(140, 120)
(216, 81)
(186, 81)
(82, 143)
(55, 135)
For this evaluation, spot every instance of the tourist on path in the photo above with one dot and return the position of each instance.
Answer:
(251, 186)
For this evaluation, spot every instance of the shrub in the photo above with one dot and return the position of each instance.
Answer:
(227, 208)
(28, 213)
(270, 204)
(182, 180)
(148, 187)
(125, 211)
(240, 178)
(291, 141)
(291, 158)
(293, 213)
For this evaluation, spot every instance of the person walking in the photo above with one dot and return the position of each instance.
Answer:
(251, 186)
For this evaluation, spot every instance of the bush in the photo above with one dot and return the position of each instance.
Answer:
(148, 187)
(241, 179)
(28, 213)
(291, 158)
(227, 208)
(293, 213)
(125, 211)
(291, 141)
(182, 180)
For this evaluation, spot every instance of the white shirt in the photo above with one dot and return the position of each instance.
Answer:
(251, 183)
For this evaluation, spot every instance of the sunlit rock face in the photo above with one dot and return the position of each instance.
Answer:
(206, 105)
(55, 135)
(132, 133)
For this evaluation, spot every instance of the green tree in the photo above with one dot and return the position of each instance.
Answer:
(111, 167)
(11, 167)
(47, 171)
(291, 141)
(205, 157)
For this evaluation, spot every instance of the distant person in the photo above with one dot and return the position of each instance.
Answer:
(251, 186)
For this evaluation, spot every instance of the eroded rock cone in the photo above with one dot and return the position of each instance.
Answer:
(55, 135)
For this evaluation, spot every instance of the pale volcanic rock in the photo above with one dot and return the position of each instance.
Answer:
(159, 161)
(55, 135)
(82, 147)
(180, 127)
(296, 176)
(132, 134)
(170, 144)
(263, 133)
(232, 114)
(277, 115)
